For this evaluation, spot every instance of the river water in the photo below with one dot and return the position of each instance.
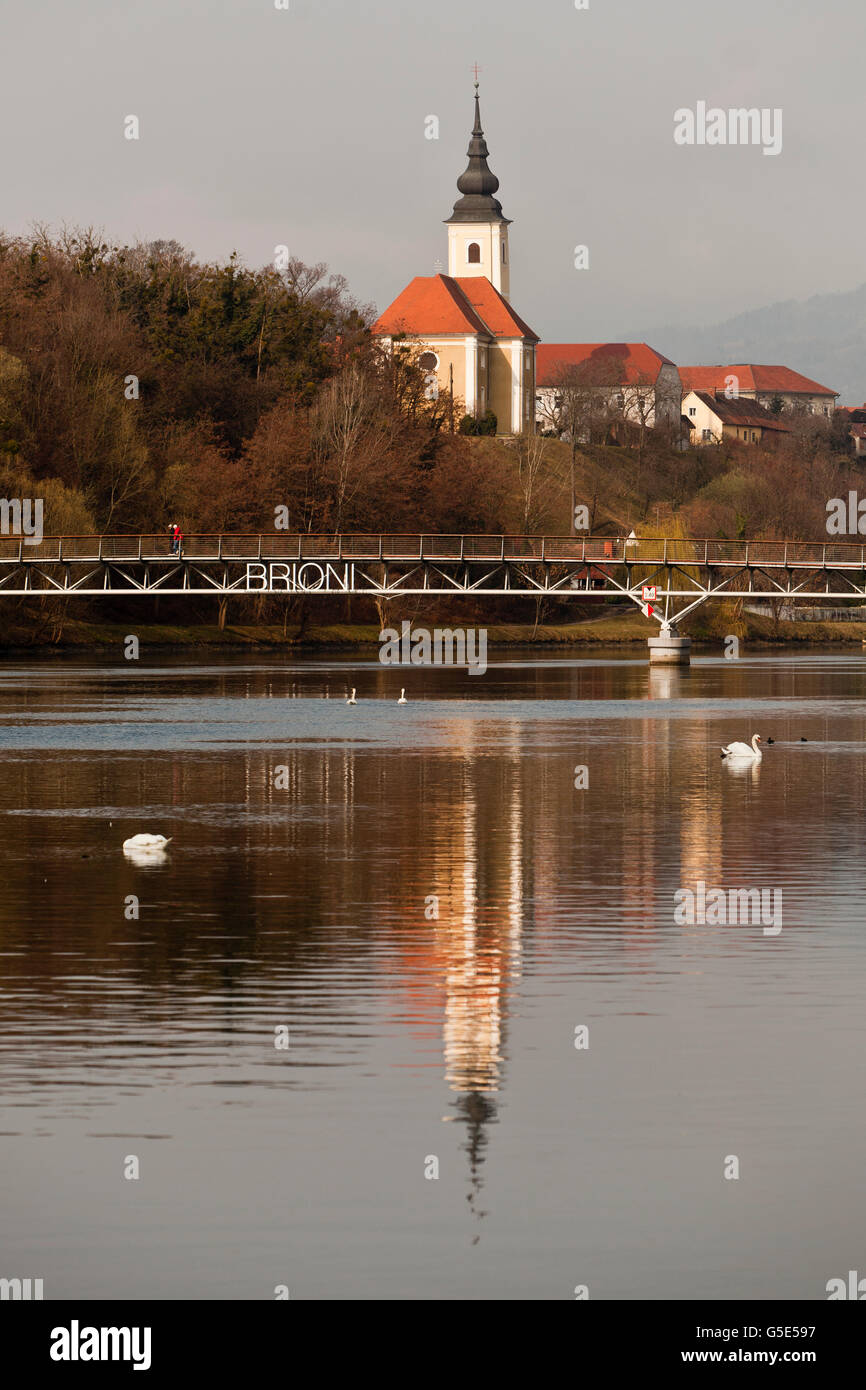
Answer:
(404, 1012)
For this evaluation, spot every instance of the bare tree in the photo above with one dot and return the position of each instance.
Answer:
(637, 401)
(326, 290)
(577, 407)
(530, 450)
(346, 429)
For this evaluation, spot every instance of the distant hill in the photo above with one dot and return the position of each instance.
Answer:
(823, 337)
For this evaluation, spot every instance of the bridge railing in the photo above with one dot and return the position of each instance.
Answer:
(844, 553)
(411, 548)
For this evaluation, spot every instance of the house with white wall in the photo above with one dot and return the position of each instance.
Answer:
(630, 380)
(713, 418)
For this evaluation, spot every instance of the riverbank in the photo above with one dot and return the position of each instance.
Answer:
(707, 629)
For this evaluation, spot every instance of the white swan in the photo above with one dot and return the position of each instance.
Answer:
(402, 700)
(147, 842)
(744, 750)
(351, 700)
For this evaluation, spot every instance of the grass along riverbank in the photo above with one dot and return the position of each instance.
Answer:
(708, 627)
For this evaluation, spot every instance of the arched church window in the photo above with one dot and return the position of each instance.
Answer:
(473, 254)
(428, 361)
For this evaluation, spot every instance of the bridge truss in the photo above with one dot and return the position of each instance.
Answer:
(667, 578)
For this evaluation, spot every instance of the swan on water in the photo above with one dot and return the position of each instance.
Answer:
(351, 700)
(147, 842)
(744, 750)
(402, 700)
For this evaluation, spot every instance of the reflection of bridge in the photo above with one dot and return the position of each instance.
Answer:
(680, 574)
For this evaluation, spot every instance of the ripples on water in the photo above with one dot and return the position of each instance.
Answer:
(307, 904)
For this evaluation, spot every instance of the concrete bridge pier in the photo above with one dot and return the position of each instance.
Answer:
(669, 648)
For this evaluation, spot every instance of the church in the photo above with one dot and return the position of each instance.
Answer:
(475, 345)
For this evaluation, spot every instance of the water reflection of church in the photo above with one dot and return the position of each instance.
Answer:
(482, 868)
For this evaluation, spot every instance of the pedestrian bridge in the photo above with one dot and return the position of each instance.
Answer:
(667, 578)
(386, 565)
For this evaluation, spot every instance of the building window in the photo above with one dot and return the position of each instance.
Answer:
(428, 361)
(693, 410)
(504, 257)
(706, 434)
(473, 253)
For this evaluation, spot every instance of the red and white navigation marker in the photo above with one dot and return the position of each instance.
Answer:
(648, 594)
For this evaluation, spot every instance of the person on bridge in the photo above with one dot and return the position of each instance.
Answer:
(173, 533)
(178, 541)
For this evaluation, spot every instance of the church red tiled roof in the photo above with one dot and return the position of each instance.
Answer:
(496, 312)
(434, 305)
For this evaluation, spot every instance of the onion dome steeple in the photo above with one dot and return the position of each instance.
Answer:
(478, 183)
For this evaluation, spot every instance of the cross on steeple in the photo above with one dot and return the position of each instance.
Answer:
(476, 70)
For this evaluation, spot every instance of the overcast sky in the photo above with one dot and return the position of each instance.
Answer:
(307, 127)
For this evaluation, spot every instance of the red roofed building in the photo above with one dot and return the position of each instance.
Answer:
(631, 379)
(712, 417)
(857, 435)
(777, 388)
(475, 346)
(854, 416)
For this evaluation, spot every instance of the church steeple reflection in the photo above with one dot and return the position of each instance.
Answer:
(478, 939)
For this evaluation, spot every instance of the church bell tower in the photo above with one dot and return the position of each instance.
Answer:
(477, 229)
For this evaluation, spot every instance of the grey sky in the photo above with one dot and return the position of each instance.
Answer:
(306, 127)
